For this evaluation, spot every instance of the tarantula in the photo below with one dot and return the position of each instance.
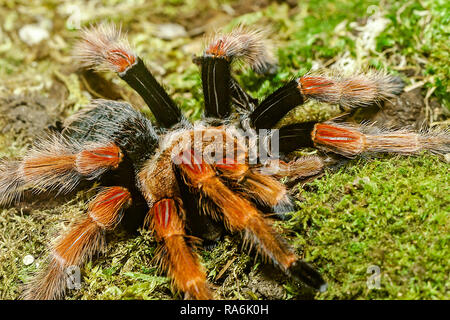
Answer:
(195, 180)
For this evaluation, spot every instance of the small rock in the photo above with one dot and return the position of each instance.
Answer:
(33, 34)
(170, 31)
(193, 47)
(28, 259)
(447, 157)
(358, 181)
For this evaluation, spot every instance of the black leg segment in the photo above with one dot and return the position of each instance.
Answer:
(162, 106)
(240, 98)
(294, 136)
(276, 106)
(216, 77)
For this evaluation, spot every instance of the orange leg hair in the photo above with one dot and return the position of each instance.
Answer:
(344, 141)
(261, 187)
(302, 167)
(55, 166)
(358, 90)
(166, 217)
(176, 256)
(79, 244)
(86, 163)
(350, 140)
(240, 215)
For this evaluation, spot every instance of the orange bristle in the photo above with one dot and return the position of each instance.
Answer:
(264, 188)
(217, 49)
(358, 85)
(104, 47)
(232, 168)
(245, 44)
(73, 247)
(345, 141)
(163, 211)
(316, 87)
(79, 244)
(261, 187)
(38, 167)
(179, 260)
(121, 59)
(107, 206)
(193, 164)
(91, 160)
(240, 215)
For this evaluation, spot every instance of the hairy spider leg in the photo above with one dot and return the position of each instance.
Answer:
(253, 183)
(105, 48)
(351, 140)
(219, 87)
(240, 98)
(166, 112)
(56, 164)
(216, 77)
(240, 215)
(166, 217)
(175, 255)
(334, 138)
(355, 91)
(263, 188)
(234, 168)
(301, 167)
(202, 215)
(83, 240)
(273, 108)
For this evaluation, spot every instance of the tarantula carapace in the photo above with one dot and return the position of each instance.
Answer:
(195, 180)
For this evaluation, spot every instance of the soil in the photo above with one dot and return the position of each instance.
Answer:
(29, 115)
(407, 110)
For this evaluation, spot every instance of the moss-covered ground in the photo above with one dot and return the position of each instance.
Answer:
(389, 213)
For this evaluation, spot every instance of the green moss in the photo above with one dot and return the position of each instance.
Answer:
(388, 212)
(419, 31)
